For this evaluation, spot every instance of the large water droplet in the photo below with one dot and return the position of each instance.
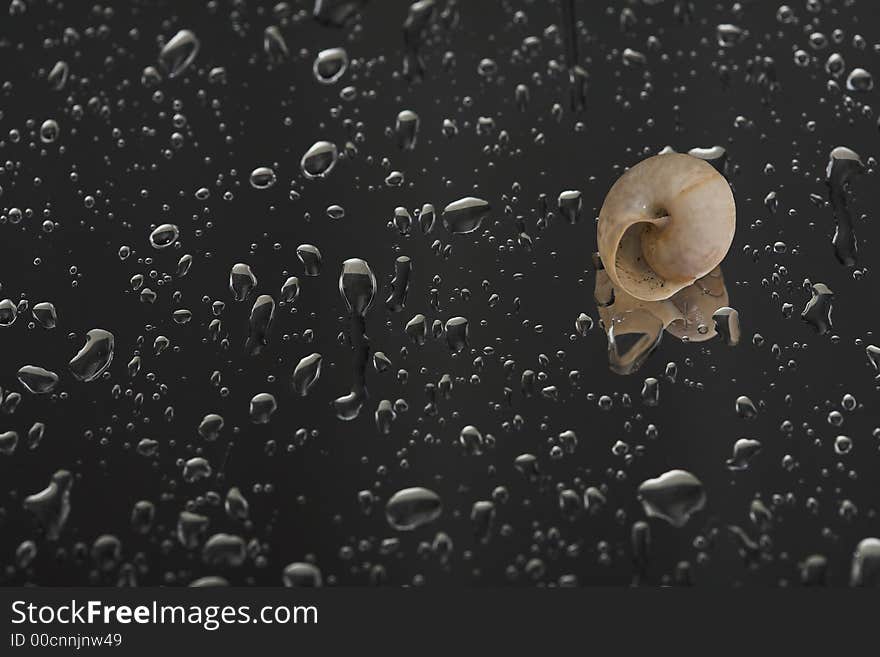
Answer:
(330, 65)
(37, 380)
(306, 374)
(865, 569)
(179, 53)
(95, 356)
(319, 160)
(411, 508)
(241, 281)
(164, 236)
(673, 496)
(262, 178)
(357, 285)
(465, 215)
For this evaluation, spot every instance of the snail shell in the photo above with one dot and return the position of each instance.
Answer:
(665, 223)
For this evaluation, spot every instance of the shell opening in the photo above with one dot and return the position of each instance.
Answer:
(633, 270)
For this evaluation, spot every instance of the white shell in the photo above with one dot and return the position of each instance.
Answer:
(665, 223)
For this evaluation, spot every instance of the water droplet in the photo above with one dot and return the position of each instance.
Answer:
(57, 77)
(262, 178)
(242, 281)
(51, 505)
(357, 285)
(306, 374)
(49, 131)
(37, 380)
(179, 53)
(310, 257)
(745, 408)
(302, 575)
(465, 215)
(411, 508)
(45, 314)
(632, 337)
(570, 204)
(727, 325)
(865, 570)
(744, 450)
(399, 285)
(407, 129)
(224, 550)
(262, 406)
(330, 65)
(817, 312)
(673, 496)
(274, 45)
(259, 324)
(164, 236)
(94, 357)
(319, 160)
(859, 80)
(457, 334)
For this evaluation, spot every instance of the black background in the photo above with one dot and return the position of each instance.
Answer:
(312, 509)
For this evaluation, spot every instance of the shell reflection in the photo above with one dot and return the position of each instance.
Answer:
(635, 327)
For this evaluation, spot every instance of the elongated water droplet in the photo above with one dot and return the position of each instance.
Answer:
(94, 357)
(242, 281)
(844, 165)
(727, 325)
(8, 442)
(357, 285)
(37, 379)
(457, 334)
(817, 312)
(306, 374)
(57, 77)
(310, 257)
(407, 129)
(290, 290)
(179, 53)
(570, 204)
(319, 160)
(396, 300)
(259, 324)
(865, 569)
(427, 217)
(51, 505)
(417, 329)
(275, 45)
(337, 13)
(745, 408)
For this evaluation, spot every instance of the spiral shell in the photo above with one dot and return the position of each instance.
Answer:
(665, 223)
